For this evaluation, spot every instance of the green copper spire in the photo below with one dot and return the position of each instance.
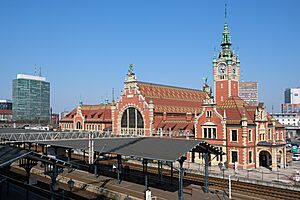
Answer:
(226, 34)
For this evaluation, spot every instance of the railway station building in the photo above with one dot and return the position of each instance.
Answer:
(248, 135)
(88, 118)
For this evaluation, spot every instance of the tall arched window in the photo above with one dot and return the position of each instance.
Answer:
(132, 118)
(78, 125)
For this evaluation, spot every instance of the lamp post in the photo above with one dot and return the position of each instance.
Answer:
(222, 168)
(229, 185)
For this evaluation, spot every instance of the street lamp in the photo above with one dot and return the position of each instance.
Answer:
(222, 167)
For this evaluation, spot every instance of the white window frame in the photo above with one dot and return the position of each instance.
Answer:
(209, 127)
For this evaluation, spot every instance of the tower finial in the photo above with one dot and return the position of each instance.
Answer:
(225, 12)
(130, 71)
(226, 34)
(113, 95)
(80, 101)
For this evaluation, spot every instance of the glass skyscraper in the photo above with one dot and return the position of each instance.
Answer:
(31, 99)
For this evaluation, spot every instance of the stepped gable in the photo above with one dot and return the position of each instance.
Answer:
(172, 99)
(235, 108)
(98, 112)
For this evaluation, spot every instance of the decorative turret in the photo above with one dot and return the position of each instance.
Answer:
(260, 113)
(151, 104)
(214, 62)
(226, 38)
(130, 75)
(244, 119)
(130, 81)
(224, 115)
(238, 63)
(206, 87)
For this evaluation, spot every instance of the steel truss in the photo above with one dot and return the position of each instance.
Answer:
(34, 136)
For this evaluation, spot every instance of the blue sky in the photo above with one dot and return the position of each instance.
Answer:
(85, 47)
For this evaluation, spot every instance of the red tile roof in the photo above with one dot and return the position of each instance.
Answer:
(174, 122)
(235, 108)
(92, 113)
(172, 99)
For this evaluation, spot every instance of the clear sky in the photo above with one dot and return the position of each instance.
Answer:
(85, 47)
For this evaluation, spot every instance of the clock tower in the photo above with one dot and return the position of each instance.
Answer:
(226, 70)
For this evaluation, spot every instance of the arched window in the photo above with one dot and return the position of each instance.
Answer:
(132, 118)
(78, 125)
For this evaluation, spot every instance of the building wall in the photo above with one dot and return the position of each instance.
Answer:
(292, 96)
(221, 91)
(288, 119)
(210, 119)
(31, 100)
(132, 98)
(290, 108)
(234, 88)
(248, 91)
(5, 111)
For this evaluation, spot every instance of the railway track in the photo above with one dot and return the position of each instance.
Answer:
(252, 191)
(240, 188)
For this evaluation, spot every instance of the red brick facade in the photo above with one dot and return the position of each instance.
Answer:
(165, 110)
(248, 135)
(88, 118)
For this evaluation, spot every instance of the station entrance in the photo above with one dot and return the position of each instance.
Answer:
(265, 159)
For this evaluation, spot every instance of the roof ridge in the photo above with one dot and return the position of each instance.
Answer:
(177, 87)
(238, 108)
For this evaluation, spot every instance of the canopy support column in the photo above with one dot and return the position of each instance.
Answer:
(145, 164)
(119, 168)
(159, 168)
(206, 189)
(171, 173)
(181, 172)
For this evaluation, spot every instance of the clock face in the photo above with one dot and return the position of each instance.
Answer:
(234, 68)
(222, 68)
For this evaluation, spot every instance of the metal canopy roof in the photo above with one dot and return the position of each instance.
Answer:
(143, 147)
(9, 155)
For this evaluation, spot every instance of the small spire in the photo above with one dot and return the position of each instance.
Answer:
(225, 12)
(80, 101)
(226, 34)
(113, 96)
(224, 114)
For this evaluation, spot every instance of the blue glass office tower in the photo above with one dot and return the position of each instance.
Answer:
(31, 99)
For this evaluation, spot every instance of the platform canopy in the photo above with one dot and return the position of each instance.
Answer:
(154, 148)
(9, 154)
